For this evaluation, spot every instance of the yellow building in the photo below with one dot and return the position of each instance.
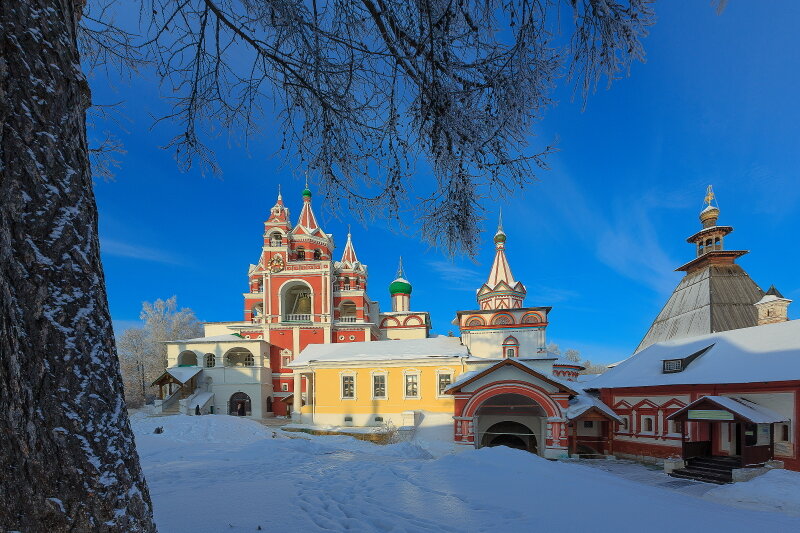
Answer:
(375, 383)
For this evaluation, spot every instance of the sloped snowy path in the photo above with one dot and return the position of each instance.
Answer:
(219, 473)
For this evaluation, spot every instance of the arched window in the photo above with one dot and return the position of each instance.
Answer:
(510, 347)
(187, 358)
(300, 253)
(296, 302)
(347, 311)
(275, 239)
(700, 248)
(317, 254)
(532, 318)
(345, 283)
(239, 357)
(717, 244)
(475, 321)
(211, 360)
(502, 319)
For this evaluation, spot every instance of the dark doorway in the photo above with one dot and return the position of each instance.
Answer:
(239, 405)
(511, 441)
(510, 434)
(269, 404)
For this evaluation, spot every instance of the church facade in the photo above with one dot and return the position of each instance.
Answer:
(717, 375)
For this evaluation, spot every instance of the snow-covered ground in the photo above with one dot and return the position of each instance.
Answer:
(219, 473)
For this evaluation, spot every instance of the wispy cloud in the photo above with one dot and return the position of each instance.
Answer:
(622, 235)
(135, 251)
(459, 278)
(551, 295)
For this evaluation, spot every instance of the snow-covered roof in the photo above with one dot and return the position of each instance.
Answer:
(216, 338)
(771, 298)
(432, 347)
(563, 361)
(761, 353)
(746, 409)
(184, 373)
(583, 402)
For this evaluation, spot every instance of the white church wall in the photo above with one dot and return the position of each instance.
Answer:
(489, 343)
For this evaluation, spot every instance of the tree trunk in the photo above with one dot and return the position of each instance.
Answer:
(67, 456)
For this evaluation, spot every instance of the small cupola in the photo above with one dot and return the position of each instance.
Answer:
(773, 307)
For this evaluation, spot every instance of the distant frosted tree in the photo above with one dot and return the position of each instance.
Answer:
(142, 352)
(133, 350)
(573, 355)
(592, 368)
(163, 321)
(553, 348)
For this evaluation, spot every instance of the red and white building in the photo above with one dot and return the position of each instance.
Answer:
(298, 295)
(516, 393)
(718, 373)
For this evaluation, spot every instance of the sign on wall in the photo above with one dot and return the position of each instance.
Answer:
(709, 414)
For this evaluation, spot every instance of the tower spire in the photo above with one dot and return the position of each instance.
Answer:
(349, 255)
(501, 290)
(400, 273)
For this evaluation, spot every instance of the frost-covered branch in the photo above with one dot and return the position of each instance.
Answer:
(362, 89)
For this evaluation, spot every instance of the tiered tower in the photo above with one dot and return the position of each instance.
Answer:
(502, 327)
(298, 295)
(715, 295)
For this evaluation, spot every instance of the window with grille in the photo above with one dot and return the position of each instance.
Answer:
(673, 365)
(379, 386)
(348, 386)
(444, 381)
(588, 424)
(412, 386)
(249, 360)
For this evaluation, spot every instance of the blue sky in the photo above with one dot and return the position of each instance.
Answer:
(597, 238)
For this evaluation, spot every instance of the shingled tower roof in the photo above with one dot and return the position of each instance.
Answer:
(715, 295)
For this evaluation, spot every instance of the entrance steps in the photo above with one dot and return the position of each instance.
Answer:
(718, 470)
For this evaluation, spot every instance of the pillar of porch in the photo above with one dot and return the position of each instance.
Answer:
(297, 402)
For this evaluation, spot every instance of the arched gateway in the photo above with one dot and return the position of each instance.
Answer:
(509, 403)
(510, 419)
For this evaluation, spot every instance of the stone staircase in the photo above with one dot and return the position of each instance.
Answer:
(716, 470)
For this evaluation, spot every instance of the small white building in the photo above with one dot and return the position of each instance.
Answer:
(218, 374)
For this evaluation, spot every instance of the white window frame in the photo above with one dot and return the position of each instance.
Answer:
(385, 375)
(406, 374)
(343, 375)
(626, 427)
(284, 387)
(439, 372)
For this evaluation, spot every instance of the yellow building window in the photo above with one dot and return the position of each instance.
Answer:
(412, 386)
(445, 379)
(348, 386)
(379, 386)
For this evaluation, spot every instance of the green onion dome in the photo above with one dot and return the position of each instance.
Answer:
(399, 286)
(307, 193)
(500, 237)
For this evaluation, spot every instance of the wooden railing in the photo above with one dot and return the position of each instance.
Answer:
(756, 455)
(696, 449)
